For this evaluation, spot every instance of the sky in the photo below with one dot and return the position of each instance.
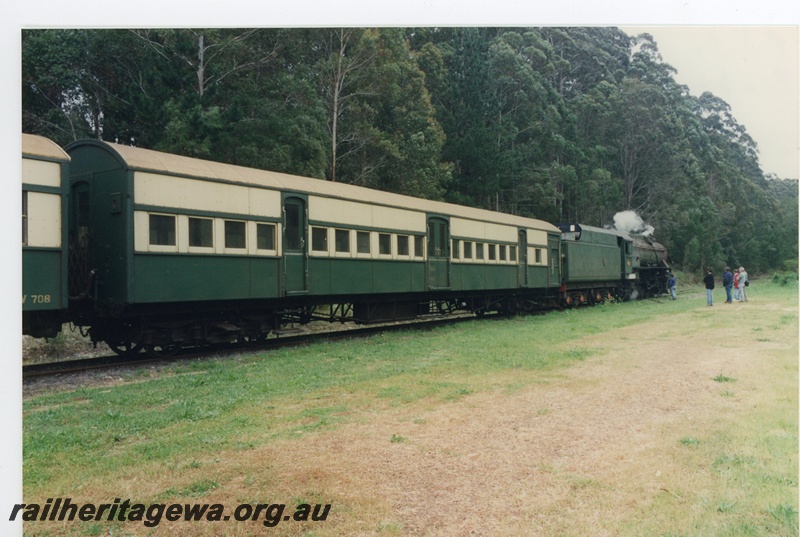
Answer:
(728, 62)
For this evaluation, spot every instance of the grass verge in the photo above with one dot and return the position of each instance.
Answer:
(153, 439)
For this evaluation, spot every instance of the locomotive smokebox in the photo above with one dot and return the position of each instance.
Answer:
(650, 253)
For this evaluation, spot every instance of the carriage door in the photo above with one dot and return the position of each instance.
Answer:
(438, 253)
(522, 267)
(78, 259)
(295, 260)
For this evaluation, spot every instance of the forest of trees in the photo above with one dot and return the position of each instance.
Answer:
(561, 124)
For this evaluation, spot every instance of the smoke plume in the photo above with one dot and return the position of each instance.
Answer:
(630, 222)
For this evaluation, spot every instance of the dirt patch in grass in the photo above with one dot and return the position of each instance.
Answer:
(583, 451)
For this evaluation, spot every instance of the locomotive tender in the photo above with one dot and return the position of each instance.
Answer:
(167, 251)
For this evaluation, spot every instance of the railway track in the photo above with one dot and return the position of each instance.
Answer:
(285, 339)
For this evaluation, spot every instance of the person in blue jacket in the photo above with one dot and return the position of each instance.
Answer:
(672, 285)
(727, 282)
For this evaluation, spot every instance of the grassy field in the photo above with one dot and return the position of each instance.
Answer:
(723, 455)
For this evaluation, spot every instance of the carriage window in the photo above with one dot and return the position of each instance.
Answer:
(294, 226)
(538, 255)
(362, 242)
(503, 252)
(456, 253)
(419, 245)
(478, 250)
(342, 240)
(201, 232)
(24, 217)
(467, 250)
(402, 245)
(265, 236)
(162, 230)
(234, 234)
(82, 215)
(319, 239)
(384, 244)
(492, 252)
(512, 254)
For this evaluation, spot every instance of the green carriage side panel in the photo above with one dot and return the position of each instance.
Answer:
(341, 276)
(456, 276)
(418, 283)
(347, 276)
(265, 280)
(43, 287)
(319, 277)
(469, 277)
(395, 276)
(501, 276)
(483, 277)
(186, 277)
(538, 277)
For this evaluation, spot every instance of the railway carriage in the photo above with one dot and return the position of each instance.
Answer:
(180, 251)
(45, 183)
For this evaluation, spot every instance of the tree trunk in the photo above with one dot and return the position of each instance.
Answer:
(201, 68)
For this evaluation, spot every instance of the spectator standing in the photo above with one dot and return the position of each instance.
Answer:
(672, 285)
(727, 282)
(744, 281)
(736, 295)
(709, 281)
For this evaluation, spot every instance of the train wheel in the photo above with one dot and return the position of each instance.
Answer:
(125, 348)
(162, 351)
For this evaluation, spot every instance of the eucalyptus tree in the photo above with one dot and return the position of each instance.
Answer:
(69, 86)
(507, 129)
(407, 141)
(345, 73)
(381, 125)
(274, 117)
(463, 105)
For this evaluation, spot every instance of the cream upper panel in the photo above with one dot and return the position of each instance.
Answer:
(143, 159)
(339, 211)
(399, 219)
(44, 220)
(351, 213)
(486, 231)
(40, 172)
(537, 237)
(197, 195)
(265, 202)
